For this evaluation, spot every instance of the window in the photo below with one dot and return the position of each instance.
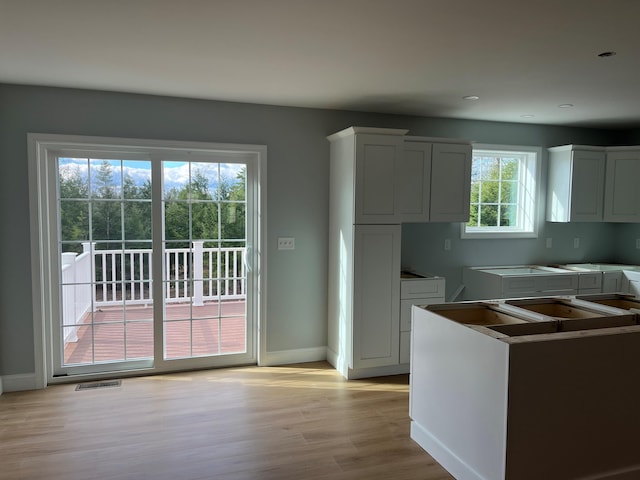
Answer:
(504, 191)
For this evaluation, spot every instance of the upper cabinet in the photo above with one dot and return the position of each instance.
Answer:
(575, 189)
(365, 165)
(622, 195)
(450, 182)
(435, 180)
(380, 176)
(593, 184)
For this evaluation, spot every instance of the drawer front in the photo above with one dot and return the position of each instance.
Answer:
(590, 281)
(514, 286)
(422, 288)
(558, 282)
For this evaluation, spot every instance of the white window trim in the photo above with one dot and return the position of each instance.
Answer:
(41, 147)
(533, 210)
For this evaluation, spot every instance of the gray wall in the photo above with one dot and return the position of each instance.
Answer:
(297, 202)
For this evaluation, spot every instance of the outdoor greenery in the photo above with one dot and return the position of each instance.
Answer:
(494, 192)
(120, 211)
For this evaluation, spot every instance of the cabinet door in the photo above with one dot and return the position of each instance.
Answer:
(450, 182)
(622, 195)
(376, 308)
(377, 163)
(415, 182)
(587, 186)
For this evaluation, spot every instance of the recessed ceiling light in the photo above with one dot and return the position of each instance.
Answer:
(566, 105)
(471, 97)
(607, 54)
(527, 116)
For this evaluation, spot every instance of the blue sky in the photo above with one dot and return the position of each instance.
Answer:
(176, 174)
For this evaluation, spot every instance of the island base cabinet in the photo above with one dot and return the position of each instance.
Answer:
(551, 406)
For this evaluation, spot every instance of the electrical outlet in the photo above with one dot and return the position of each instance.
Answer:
(638, 243)
(576, 242)
(447, 244)
(286, 243)
(549, 242)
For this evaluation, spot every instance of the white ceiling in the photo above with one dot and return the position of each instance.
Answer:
(391, 56)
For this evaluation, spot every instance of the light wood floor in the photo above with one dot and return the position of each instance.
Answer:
(293, 422)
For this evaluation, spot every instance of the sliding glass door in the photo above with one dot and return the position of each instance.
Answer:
(156, 260)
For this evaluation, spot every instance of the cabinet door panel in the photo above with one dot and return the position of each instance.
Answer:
(450, 182)
(376, 316)
(415, 182)
(622, 200)
(587, 186)
(377, 158)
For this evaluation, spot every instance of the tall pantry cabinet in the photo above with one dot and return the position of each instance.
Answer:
(379, 179)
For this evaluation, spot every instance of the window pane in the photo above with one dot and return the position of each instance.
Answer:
(509, 192)
(137, 220)
(106, 179)
(489, 216)
(137, 179)
(73, 177)
(204, 220)
(106, 220)
(74, 220)
(508, 216)
(233, 221)
(510, 168)
(176, 221)
(490, 192)
(176, 179)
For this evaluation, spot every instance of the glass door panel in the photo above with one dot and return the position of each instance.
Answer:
(205, 247)
(105, 243)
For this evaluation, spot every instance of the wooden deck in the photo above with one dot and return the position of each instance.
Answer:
(116, 333)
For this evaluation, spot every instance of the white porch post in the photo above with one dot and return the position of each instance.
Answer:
(198, 247)
(69, 295)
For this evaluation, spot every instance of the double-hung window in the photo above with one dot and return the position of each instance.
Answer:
(504, 192)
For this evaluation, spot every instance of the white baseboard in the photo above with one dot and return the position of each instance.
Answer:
(18, 383)
(441, 454)
(300, 355)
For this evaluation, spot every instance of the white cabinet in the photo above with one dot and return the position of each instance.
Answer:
(364, 174)
(414, 194)
(376, 298)
(622, 195)
(380, 178)
(416, 290)
(484, 283)
(364, 252)
(436, 180)
(612, 282)
(589, 184)
(450, 182)
(631, 282)
(575, 187)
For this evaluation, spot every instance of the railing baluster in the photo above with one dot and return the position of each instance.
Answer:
(224, 277)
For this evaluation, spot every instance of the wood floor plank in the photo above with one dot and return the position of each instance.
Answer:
(252, 423)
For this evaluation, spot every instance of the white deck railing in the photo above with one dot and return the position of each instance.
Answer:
(193, 275)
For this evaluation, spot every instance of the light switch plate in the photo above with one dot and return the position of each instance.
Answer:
(286, 243)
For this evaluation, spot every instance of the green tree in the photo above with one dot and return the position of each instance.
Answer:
(137, 210)
(107, 216)
(74, 212)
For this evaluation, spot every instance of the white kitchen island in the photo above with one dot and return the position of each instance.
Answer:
(503, 391)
